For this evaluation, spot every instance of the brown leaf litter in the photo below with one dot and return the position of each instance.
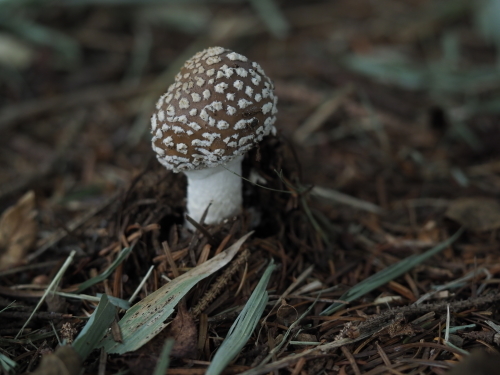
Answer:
(18, 231)
(365, 174)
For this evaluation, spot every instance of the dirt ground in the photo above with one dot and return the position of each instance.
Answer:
(388, 148)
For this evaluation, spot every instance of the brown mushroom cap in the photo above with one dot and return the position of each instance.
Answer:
(220, 105)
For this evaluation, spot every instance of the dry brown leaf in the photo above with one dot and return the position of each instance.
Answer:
(184, 332)
(307, 337)
(286, 314)
(56, 303)
(65, 361)
(477, 214)
(18, 231)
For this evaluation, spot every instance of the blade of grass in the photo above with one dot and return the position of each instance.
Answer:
(243, 326)
(51, 286)
(389, 273)
(461, 130)
(271, 15)
(67, 48)
(96, 327)
(322, 113)
(186, 19)
(7, 364)
(103, 276)
(460, 328)
(138, 2)
(458, 283)
(118, 302)
(9, 306)
(436, 76)
(141, 284)
(314, 222)
(338, 197)
(447, 334)
(303, 200)
(487, 17)
(164, 362)
(290, 329)
(148, 317)
(447, 328)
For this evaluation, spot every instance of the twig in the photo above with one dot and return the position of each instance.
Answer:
(29, 267)
(351, 360)
(342, 198)
(220, 283)
(170, 258)
(370, 327)
(141, 284)
(412, 310)
(322, 113)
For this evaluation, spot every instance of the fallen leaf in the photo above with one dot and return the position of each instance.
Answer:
(148, 317)
(286, 314)
(56, 303)
(65, 361)
(477, 214)
(183, 331)
(18, 231)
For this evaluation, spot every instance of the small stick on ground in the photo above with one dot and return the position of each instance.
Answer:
(220, 283)
(351, 360)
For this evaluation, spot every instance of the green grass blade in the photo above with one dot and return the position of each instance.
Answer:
(272, 16)
(50, 289)
(243, 326)
(487, 17)
(68, 49)
(103, 276)
(7, 364)
(460, 328)
(147, 318)
(164, 362)
(118, 302)
(274, 352)
(338, 197)
(389, 273)
(96, 327)
(9, 306)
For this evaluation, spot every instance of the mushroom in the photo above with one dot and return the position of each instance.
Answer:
(220, 106)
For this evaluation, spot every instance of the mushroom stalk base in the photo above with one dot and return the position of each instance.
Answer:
(219, 186)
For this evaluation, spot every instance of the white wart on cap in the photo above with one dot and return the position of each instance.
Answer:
(220, 105)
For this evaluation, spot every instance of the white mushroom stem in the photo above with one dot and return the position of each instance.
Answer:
(221, 186)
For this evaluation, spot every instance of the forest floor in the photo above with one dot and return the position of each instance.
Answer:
(377, 200)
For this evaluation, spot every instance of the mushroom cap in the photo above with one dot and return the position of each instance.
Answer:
(220, 106)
